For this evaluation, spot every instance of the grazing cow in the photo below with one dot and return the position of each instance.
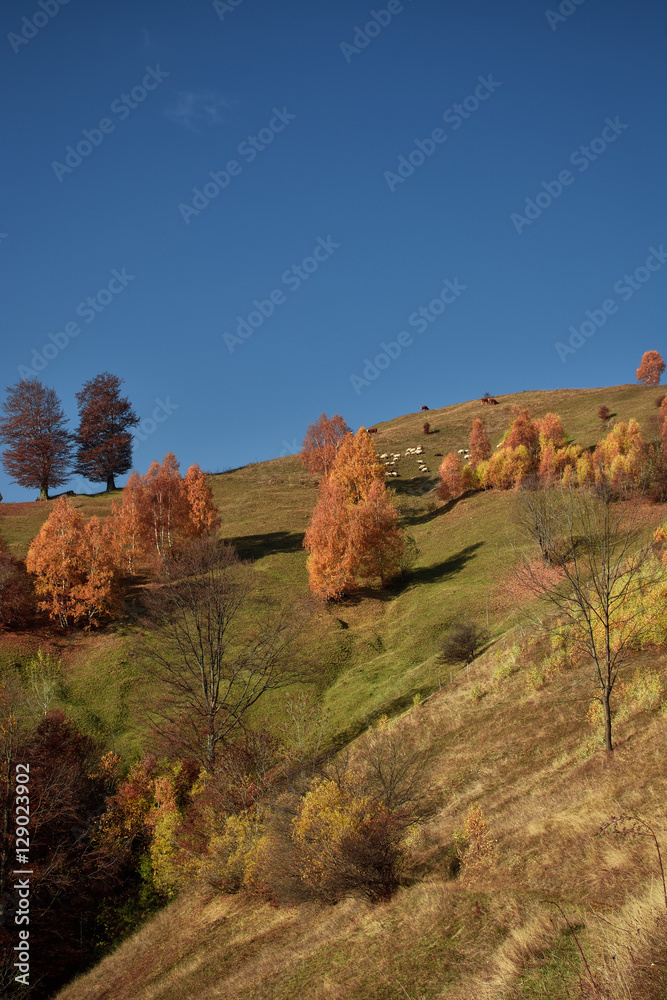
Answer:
(424, 407)
(372, 430)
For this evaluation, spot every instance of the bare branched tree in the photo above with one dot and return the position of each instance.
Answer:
(600, 583)
(217, 645)
(463, 642)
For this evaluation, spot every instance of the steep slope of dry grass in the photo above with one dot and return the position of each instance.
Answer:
(527, 758)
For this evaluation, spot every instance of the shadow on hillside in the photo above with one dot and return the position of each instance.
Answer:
(257, 546)
(409, 520)
(442, 570)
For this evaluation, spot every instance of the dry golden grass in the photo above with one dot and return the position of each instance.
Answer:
(523, 758)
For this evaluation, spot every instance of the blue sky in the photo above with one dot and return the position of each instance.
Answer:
(308, 113)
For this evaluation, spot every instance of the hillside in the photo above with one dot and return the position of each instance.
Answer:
(505, 736)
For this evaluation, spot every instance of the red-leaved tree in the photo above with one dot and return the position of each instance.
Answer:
(321, 443)
(103, 438)
(479, 445)
(651, 368)
(38, 446)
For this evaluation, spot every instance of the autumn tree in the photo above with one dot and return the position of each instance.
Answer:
(54, 558)
(651, 368)
(321, 443)
(203, 512)
(218, 645)
(451, 476)
(350, 828)
(353, 534)
(98, 595)
(357, 466)
(74, 567)
(479, 445)
(376, 541)
(164, 510)
(327, 540)
(38, 446)
(126, 528)
(604, 413)
(524, 432)
(103, 441)
(621, 458)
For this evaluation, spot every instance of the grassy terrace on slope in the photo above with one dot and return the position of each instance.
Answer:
(527, 758)
(386, 642)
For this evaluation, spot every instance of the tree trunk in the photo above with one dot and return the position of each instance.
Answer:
(111, 483)
(606, 695)
(44, 492)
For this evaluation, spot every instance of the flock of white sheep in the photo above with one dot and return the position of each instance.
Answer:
(391, 459)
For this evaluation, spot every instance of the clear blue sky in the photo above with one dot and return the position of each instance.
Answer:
(201, 80)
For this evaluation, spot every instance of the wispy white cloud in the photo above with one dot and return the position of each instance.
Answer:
(194, 108)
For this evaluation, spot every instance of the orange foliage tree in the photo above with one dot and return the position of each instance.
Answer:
(159, 511)
(327, 541)
(357, 467)
(126, 525)
(164, 510)
(651, 368)
(353, 534)
(524, 432)
(479, 445)
(376, 541)
(203, 513)
(451, 476)
(321, 443)
(98, 594)
(74, 567)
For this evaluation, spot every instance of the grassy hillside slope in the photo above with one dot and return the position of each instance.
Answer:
(526, 755)
(387, 641)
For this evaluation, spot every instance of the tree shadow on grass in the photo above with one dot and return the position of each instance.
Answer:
(410, 520)
(440, 571)
(257, 546)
